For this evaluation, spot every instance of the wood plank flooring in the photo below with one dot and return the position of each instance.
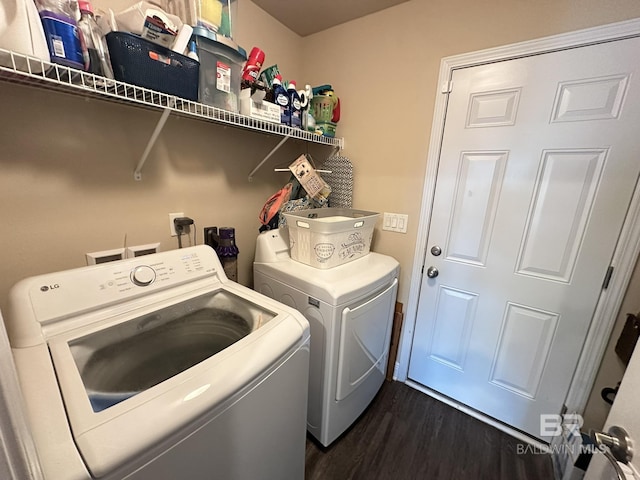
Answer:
(407, 435)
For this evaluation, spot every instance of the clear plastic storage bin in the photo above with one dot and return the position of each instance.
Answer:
(220, 73)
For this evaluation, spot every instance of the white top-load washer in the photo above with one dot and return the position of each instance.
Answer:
(159, 367)
(350, 309)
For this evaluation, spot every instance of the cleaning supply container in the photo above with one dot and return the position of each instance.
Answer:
(61, 32)
(21, 32)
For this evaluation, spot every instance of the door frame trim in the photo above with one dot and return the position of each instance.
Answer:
(627, 248)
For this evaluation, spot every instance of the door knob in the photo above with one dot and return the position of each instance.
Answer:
(618, 447)
(432, 272)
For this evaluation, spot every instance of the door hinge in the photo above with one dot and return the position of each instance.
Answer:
(447, 87)
(607, 277)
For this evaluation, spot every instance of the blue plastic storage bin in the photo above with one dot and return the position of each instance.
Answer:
(146, 64)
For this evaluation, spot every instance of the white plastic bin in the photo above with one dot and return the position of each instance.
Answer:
(329, 237)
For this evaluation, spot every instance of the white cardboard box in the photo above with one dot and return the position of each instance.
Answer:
(267, 111)
(328, 237)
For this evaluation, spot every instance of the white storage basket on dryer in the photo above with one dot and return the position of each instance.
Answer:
(328, 237)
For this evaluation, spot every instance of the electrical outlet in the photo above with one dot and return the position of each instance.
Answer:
(172, 226)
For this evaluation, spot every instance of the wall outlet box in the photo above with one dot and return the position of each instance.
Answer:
(140, 250)
(105, 256)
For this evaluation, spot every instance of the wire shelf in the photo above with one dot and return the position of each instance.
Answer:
(21, 69)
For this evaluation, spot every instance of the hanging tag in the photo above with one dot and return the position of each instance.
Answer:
(313, 184)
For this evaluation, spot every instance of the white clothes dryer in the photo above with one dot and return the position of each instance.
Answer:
(350, 310)
(159, 367)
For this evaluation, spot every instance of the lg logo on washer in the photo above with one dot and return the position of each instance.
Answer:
(46, 288)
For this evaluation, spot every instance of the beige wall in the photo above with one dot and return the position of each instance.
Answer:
(66, 185)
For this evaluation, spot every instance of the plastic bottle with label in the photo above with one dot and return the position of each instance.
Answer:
(281, 98)
(193, 51)
(61, 31)
(252, 68)
(97, 50)
(294, 113)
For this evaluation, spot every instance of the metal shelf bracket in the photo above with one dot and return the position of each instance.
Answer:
(334, 151)
(269, 155)
(137, 174)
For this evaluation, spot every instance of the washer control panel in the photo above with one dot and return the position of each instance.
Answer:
(64, 293)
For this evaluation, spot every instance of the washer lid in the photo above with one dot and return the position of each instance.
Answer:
(113, 424)
(337, 285)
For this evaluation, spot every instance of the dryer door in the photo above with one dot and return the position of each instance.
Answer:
(364, 340)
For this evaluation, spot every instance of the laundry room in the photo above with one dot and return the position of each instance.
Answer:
(84, 175)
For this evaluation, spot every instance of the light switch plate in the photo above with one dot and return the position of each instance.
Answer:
(395, 222)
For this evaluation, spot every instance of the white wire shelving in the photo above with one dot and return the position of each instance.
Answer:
(21, 69)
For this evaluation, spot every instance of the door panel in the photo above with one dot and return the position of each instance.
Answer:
(450, 339)
(476, 200)
(562, 201)
(538, 162)
(365, 334)
(523, 349)
(493, 109)
(594, 99)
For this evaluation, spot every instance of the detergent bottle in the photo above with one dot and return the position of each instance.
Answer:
(61, 32)
(281, 99)
(295, 119)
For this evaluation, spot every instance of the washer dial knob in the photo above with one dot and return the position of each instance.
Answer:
(143, 275)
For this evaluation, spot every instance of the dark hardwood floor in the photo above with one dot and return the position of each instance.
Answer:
(407, 435)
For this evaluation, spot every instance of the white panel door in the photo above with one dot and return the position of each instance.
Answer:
(539, 159)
